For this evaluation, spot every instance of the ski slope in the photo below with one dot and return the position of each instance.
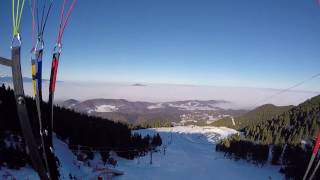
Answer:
(190, 154)
(69, 165)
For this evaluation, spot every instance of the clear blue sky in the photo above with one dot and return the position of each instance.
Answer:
(259, 43)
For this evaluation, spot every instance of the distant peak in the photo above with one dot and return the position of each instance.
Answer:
(71, 100)
(138, 84)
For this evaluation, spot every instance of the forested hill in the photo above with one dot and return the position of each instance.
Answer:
(289, 137)
(299, 123)
(260, 114)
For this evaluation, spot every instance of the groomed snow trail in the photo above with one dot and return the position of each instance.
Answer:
(191, 155)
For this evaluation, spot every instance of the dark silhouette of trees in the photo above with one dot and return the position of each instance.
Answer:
(260, 114)
(72, 127)
(290, 135)
(276, 154)
(156, 140)
(235, 148)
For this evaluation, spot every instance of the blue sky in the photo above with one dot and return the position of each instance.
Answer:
(265, 43)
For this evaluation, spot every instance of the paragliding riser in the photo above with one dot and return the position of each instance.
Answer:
(15, 64)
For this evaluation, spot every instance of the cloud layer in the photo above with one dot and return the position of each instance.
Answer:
(239, 97)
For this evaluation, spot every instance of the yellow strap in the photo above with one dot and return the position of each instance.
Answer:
(34, 72)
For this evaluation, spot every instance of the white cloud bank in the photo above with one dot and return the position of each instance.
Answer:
(240, 97)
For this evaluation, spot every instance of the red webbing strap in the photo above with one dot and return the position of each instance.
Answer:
(54, 70)
(317, 145)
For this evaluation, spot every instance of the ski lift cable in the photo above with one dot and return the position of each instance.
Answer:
(106, 147)
(102, 149)
(288, 89)
(95, 148)
(84, 146)
(90, 149)
(105, 151)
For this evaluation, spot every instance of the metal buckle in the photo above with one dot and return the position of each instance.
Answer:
(39, 44)
(16, 41)
(57, 48)
(20, 99)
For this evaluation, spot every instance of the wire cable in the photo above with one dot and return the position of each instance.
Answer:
(288, 89)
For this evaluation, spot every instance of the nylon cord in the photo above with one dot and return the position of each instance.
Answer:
(66, 22)
(61, 19)
(47, 15)
(16, 15)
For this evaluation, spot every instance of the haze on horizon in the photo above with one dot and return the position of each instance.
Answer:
(236, 97)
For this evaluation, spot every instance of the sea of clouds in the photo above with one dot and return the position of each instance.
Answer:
(239, 97)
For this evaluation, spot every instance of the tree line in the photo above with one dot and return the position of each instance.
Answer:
(69, 126)
(288, 138)
(260, 114)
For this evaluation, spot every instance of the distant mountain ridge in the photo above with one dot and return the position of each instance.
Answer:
(149, 112)
(8, 79)
(140, 106)
(138, 84)
(70, 103)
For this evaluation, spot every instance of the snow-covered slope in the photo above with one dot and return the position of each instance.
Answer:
(69, 165)
(106, 108)
(190, 154)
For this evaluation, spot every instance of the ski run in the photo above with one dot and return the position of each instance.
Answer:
(187, 152)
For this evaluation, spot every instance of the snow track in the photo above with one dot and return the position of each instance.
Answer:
(190, 154)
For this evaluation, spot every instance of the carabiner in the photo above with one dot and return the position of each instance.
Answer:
(57, 48)
(16, 41)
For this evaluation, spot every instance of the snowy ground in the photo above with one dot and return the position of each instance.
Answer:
(190, 154)
(69, 165)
